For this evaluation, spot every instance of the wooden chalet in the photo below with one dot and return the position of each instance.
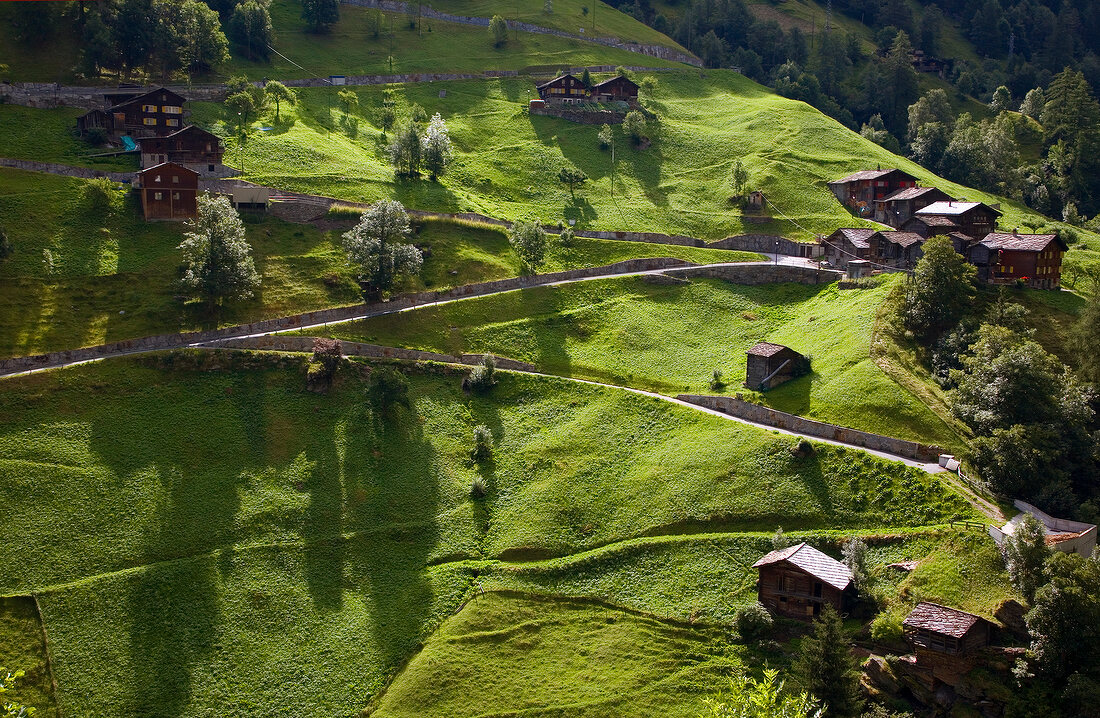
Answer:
(861, 190)
(929, 226)
(617, 89)
(896, 249)
(846, 244)
(974, 219)
(168, 191)
(769, 365)
(798, 580)
(563, 89)
(149, 114)
(939, 629)
(899, 206)
(191, 147)
(1006, 257)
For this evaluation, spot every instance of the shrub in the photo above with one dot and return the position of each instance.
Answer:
(886, 628)
(716, 383)
(855, 558)
(481, 377)
(387, 387)
(606, 136)
(96, 137)
(6, 247)
(326, 358)
(97, 193)
(567, 237)
(780, 539)
(753, 621)
(528, 239)
(498, 30)
(483, 443)
(478, 490)
(634, 125)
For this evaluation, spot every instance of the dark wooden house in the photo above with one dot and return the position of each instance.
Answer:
(157, 112)
(939, 629)
(798, 580)
(168, 191)
(974, 219)
(563, 89)
(860, 190)
(846, 244)
(1004, 257)
(895, 208)
(896, 249)
(617, 89)
(769, 365)
(191, 147)
(929, 226)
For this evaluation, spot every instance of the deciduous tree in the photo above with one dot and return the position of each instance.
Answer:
(250, 27)
(405, 150)
(320, 14)
(436, 147)
(940, 292)
(216, 253)
(1026, 552)
(572, 177)
(528, 238)
(387, 388)
(498, 30)
(375, 248)
(278, 93)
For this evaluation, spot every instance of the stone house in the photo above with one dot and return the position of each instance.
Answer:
(798, 580)
(895, 208)
(769, 365)
(168, 191)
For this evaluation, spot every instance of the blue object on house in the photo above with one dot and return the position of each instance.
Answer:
(128, 143)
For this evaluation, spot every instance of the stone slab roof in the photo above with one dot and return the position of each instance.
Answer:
(908, 193)
(869, 175)
(1019, 242)
(941, 619)
(858, 236)
(766, 349)
(902, 239)
(813, 562)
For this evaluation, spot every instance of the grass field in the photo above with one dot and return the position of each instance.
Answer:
(50, 136)
(115, 276)
(272, 545)
(22, 647)
(671, 338)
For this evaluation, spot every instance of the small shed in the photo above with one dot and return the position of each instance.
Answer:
(769, 365)
(251, 197)
(617, 89)
(949, 631)
(798, 580)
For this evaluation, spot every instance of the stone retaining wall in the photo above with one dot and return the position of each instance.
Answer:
(581, 117)
(782, 420)
(651, 237)
(767, 243)
(752, 274)
(339, 314)
(294, 343)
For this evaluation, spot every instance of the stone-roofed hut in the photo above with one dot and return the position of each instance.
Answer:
(846, 244)
(936, 628)
(896, 249)
(900, 206)
(1006, 257)
(769, 365)
(929, 226)
(974, 219)
(798, 580)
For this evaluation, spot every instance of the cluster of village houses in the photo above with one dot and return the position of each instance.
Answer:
(892, 197)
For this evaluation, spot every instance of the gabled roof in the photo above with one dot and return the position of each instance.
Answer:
(902, 239)
(616, 79)
(767, 349)
(168, 165)
(933, 220)
(858, 236)
(941, 619)
(910, 193)
(953, 209)
(870, 175)
(813, 562)
(558, 79)
(1021, 242)
(145, 95)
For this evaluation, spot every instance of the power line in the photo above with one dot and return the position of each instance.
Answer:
(269, 47)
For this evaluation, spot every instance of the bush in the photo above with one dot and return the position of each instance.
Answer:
(96, 137)
(325, 360)
(567, 237)
(6, 247)
(886, 628)
(386, 388)
(716, 383)
(483, 443)
(97, 193)
(478, 490)
(753, 622)
(481, 377)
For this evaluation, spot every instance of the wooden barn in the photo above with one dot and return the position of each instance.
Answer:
(191, 147)
(168, 191)
(846, 244)
(769, 365)
(1007, 257)
(798, 580)
(152, 113)
(929, 226)
(939, 629)
(563, 89)
(895, 208)
(617, 89)
(861, 190)
(974, 219)
(896, 249)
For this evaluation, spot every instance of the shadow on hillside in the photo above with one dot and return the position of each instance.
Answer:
(812, 475)
(792, 397)
(580, 210)
(544, 310)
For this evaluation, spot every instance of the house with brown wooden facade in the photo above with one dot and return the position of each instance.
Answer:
(769, 365)
(929, 226)
(563, 89)
(861, 190)
(798, 580)
(900, 250)
(168, 192)
(846, 244)
(157, 112)
(944, 641)
(192, 147)
(617, 89)
(899, 206)
(974, 219)
(1009, 257)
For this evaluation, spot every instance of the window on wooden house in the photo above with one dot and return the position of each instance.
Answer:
(149, 121)
(148, 108)
(175, 195)
(172, 110)
(158, 196)
(172, 122)
(175, 179)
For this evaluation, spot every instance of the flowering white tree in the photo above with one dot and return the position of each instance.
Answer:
(436, 147)
(373, 246)
(217, 256)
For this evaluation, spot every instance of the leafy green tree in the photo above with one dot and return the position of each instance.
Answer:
(586, 78)
(498, 30)
(780, 540)
(855, 558)
(1064, 621)
(203, 44)
(1085, 340)
(320, 14)
(876, 131)
(250, 27)
(753, 621)
(933, 106)
(279, 93)
(1032, 105)
(11, 709)
(482, 377)
(244, 106)
(826, 667)
(529, 241)
(375, 248)
(634, 125)
(712, 50)
(483, 443)
(940, 292)
(1002, 100)
(349, 100)
(749, 698)
(217, 257)
(405, 151)
(740, 177)
(605, 137)
(6, 247)
(387, 388)
(1026, 552)
(436, 147)
(572, 177)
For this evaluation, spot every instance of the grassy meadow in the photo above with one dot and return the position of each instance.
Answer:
(204, 533)
(670, 338)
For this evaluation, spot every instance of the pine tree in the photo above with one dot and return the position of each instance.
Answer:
(827, 669)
